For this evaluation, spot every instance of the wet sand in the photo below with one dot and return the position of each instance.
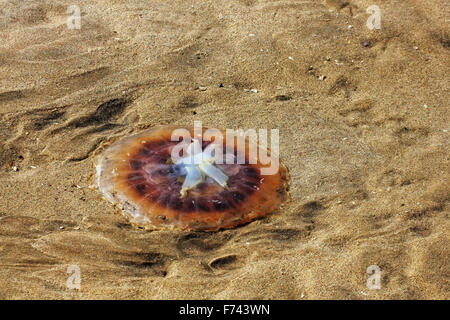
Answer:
(363, 117)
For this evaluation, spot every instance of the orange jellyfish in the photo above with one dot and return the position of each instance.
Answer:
(160, 182)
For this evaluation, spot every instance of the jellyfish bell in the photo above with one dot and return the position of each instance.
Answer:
(159, 181)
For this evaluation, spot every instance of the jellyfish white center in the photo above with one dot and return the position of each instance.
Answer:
(199, 165)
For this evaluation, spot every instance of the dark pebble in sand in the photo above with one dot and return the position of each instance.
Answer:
(366, 44)
(282, 98)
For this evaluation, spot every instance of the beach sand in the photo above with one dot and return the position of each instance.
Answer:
(363, 117)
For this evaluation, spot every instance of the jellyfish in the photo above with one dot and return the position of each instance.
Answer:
(195, 185)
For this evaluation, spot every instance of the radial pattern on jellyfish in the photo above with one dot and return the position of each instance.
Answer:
(200, 189)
